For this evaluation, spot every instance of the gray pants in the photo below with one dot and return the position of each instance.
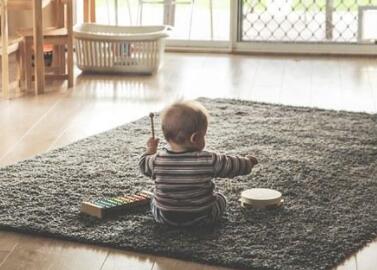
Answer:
(189, 219)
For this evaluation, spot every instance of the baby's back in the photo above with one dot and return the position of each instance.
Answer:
(183, 181)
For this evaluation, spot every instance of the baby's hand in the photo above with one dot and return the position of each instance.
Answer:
(253, 160)
(152, 145)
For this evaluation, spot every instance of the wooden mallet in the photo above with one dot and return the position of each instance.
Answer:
(151, 115)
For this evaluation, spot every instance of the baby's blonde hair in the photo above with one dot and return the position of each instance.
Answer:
(181, 119)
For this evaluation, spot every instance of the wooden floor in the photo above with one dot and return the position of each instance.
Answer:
(33, 125)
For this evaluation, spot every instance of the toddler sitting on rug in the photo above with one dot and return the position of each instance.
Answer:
(184, 192)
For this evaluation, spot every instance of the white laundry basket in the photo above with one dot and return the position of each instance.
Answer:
(126, 49)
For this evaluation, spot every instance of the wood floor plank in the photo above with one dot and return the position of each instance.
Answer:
(372, 74)
(366, 258)
(327, 96)
(357, 91)
(163, 263)
(349, 264)
(39, 244)
(297, 83)
(50, 126)
(270, 72)
(44, 253)
(270, 94)
(32, 253)
(21, 259)
(19, 116)
(81, 256)
(127, 260)
(107, 116)
(3, 256)
(8, 240)
(325, 84)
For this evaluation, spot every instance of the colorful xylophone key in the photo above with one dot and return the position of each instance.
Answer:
(104, 207)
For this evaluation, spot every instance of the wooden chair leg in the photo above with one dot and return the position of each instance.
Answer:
(28, 67)
(56, 59)
(70, 41)
(21, 64)
(62, 62)
(19, 70)
(70, 66)
(4, 51)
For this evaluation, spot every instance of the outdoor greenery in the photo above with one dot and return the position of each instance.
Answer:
(249, 6)
(310, 5)
(338, 5)
(217, 4)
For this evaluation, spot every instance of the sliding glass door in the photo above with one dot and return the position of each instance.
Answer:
(279, 26)
(305, 20)
(309, 22)
(206, 20)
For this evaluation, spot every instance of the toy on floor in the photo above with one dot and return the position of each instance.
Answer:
(261, 198)
(105, 207)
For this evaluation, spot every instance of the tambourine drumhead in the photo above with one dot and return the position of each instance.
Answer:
(261, 196)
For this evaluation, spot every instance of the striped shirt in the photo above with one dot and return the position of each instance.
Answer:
(183, 181)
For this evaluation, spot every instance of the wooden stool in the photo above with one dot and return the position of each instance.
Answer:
(14, 46)
(8, 46)
(62, 39)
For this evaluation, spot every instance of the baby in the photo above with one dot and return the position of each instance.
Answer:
(184, 191)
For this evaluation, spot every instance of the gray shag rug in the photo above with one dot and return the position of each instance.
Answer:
(324, 163)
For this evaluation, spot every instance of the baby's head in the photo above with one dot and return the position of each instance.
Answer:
(184, 124)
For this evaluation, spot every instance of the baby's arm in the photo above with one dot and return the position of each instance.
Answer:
(230, 166)
(146, 160)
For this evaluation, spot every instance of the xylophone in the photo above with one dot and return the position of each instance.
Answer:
(105, 207)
